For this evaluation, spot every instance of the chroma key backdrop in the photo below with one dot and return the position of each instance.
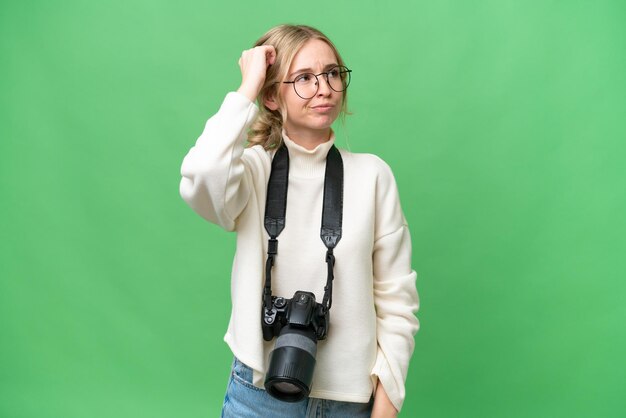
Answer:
(504, 123)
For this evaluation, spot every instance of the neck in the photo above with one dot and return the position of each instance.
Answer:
(307, 138)
(307, 163)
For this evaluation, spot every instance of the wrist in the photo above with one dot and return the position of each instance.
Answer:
(383, 407)
(249, 91)
(380, 411)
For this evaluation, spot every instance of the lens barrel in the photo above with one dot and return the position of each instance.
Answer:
(292, 363)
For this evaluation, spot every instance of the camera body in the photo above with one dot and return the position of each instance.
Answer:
(298, 323)
(301, 311)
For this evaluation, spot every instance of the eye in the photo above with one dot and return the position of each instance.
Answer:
(303, 78)
(334, 73)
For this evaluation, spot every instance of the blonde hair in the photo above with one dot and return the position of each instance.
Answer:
(287, 40)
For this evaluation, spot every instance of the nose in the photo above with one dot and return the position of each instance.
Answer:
(323, 88)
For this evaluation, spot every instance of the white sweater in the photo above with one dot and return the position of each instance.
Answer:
(372, 319)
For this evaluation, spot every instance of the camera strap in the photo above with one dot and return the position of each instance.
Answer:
(276, 207)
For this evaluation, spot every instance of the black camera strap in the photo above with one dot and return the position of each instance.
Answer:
(276, 207)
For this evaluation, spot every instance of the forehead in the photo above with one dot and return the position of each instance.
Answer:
(314, 54)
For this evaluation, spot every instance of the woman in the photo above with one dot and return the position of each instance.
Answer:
(300, 82)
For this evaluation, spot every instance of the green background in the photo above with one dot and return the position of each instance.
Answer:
(503, 122)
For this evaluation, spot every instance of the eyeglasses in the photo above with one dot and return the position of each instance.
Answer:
(306, 85)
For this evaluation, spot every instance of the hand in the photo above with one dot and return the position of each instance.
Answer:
(383, 408)
(253, 64)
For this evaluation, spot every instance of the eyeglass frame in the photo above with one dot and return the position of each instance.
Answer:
(325, 73)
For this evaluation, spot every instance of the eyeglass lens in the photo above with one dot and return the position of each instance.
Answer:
(307, 84)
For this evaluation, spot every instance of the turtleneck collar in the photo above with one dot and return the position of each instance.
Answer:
(307, 163)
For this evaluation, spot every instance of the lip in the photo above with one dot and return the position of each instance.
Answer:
(322, 108)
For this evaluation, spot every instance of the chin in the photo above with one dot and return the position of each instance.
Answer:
(320, 127)
(323, 122)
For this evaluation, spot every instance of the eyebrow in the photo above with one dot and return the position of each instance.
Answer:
(327, 66)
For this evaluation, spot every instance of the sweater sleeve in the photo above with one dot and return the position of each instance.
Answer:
(213, 182)
(395, 294)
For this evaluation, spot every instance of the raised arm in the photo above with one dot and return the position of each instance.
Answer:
(213, 181)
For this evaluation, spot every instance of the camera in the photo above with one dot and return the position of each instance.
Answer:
(298, 323)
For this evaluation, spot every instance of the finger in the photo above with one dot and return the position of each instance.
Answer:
(268, 50)
(271, 56)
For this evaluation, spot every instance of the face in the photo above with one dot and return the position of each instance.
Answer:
(314, 115)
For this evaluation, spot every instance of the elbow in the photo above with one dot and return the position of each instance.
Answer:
(187, 189)
(204, 194)
(198, 180)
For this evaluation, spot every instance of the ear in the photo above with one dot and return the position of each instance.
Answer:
(270, 102)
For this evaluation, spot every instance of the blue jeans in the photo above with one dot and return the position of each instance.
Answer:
(244, 400)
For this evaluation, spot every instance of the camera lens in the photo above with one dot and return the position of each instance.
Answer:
(291, 365)
(286, 388)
